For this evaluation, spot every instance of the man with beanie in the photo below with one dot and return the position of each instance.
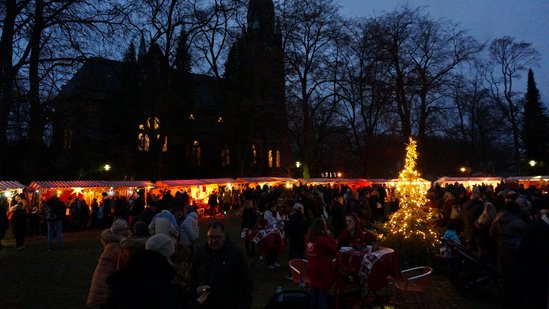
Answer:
(222, 266)
(148, 280)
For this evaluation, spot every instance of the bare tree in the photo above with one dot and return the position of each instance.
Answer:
(507, 60)
(48, 35)
(310, 32)
(421, 53)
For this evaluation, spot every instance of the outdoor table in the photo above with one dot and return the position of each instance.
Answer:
(373, 268)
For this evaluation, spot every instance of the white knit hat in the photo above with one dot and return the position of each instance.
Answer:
(120, 227)
(162, 244)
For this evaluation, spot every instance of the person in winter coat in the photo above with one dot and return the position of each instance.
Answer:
(164, 222)
(482, 223)
(531, 271)
(353, 235)
(130, 245)
(19, 220)
(188, 228)
(188, 234)
(321, 252)
(296, 230)
(507, 229)
(148, 280)
(110, 238)
(222, 266)
(4, 222)
(470, 211)
(249, 221)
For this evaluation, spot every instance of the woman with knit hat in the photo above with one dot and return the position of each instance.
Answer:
(110, 238)
(149, 280)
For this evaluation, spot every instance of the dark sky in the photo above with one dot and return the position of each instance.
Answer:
(525, 20)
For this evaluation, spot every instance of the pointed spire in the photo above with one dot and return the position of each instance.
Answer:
(142, 47)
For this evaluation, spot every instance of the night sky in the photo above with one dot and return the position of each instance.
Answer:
(525, 20)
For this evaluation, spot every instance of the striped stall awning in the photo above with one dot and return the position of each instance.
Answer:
(49, 184)
(129, 183)
(265, 179)
(219, 181)
(10, 185)
(180, 183)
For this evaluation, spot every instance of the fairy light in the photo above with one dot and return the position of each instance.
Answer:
(411, 220)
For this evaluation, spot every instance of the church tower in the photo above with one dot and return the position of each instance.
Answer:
(255, 73)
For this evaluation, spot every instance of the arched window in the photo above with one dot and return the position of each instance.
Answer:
(150, 128)
(225, 156)
(270, 157)
(274, 158)
(196, 153)
(278, 158)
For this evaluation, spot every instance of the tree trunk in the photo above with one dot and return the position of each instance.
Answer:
(36, 121)
(6, 75)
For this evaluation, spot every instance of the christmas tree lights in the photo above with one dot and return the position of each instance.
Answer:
(411, 220)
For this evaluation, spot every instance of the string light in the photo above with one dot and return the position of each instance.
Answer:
(411, 220)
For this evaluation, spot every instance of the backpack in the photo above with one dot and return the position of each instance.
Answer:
(50, 214)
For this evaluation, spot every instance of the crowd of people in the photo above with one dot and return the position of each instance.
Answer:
(150, 245)
(507, 226)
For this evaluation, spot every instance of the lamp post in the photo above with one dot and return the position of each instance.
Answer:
(105, 168)
(297, 170)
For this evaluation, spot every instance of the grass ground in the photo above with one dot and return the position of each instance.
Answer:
(36, 278)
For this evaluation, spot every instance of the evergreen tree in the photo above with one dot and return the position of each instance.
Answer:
(409, 229)
(535, 128)
(129, 55)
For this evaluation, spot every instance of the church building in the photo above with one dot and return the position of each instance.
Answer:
(149, 120)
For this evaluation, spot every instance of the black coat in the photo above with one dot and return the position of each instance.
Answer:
(227, 272)
(296, 229)
(148, 282)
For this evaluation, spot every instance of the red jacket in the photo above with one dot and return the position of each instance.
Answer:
(345, 239)
(320, 261)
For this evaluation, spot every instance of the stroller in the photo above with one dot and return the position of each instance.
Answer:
(289, 299)
(470, 275)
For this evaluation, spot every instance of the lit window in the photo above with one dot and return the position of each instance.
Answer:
(220, 119)
(270, 158)
(191, 117)
(278, 158)
(196, 153)
(254, 155)
(148, 129)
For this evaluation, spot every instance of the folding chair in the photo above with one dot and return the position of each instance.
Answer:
(298, 268)
(415, 281)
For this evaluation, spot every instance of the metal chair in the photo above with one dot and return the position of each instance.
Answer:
(298, 268)
(414, 280)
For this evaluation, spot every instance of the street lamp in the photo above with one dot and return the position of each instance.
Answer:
(463, 169)
(297, 164)
(105, 168)
(532, 163)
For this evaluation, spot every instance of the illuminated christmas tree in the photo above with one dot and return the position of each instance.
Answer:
(411, 220)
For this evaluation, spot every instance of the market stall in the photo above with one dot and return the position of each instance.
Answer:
(469, 182)
(353, 183)
(9, 188)
(129, 187)
(198, 189)
(253, 182)
(527, 181)
(83, 189)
